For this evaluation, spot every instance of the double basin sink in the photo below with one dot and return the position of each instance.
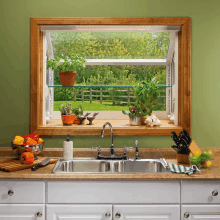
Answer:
(92, 165)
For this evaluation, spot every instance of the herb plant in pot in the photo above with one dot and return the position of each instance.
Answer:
(146, 93)
(67, 69)
(134, 115)
(78, 112)
(66, 114)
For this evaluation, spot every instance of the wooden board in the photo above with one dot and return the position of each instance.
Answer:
(193, 147)
(11, 165)
(183, 158)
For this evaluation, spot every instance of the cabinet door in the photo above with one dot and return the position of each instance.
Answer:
(200, 212)
(22, 212)
(146, 212)
(81, 212)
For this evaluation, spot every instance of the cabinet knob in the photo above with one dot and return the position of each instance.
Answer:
(186, 215)
(10, 193)
(117, 215)
(107, 215)
(215, 193)
(39, 214)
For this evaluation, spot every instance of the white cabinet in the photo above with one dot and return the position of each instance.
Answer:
(22, 212)
(29, 192)
(200, 192)
(82, 212)
(122, 212)
(110, 192)
(200, 212)
(146, 212)
(109, 200)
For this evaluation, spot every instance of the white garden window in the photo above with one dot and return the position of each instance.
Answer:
(171, 63)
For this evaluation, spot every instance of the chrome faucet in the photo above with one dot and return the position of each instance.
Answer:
(112, 156)
(102, 135)
(136, 151)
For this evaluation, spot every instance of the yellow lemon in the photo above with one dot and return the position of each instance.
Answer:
(207, 164)
(197, 153)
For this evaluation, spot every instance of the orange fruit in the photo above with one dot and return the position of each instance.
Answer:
(207, 164)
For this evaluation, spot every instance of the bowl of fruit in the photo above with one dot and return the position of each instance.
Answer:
(27, 143)
(202, 159)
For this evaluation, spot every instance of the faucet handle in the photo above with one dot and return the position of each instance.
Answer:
(137, 150)
(127, 148)
(98, 150)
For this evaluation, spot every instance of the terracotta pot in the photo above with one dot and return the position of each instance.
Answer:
(68, 119)
(67, 78)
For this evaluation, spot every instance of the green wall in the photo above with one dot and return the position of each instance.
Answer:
(15, 62)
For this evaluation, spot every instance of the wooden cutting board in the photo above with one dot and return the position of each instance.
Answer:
(11, 165)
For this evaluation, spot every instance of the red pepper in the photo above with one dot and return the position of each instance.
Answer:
(33, 136)
(27, 158)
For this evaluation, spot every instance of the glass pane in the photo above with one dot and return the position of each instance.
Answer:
(111, 45)
(111, 98)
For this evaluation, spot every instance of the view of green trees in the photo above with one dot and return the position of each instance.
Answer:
(111, 45)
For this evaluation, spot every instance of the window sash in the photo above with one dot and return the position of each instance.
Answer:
(113, 114)
(124, 61)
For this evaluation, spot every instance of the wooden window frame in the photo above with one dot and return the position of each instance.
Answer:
(184, 74)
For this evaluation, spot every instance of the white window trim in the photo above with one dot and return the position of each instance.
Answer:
(144, 62)
(48, 112)
(172, 58)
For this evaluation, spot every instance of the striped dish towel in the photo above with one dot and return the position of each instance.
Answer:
(180, 169)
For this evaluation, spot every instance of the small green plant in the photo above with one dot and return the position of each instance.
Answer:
(71, 63)
(66, 109)
(78, 111)
(147, 95)
(133, 111)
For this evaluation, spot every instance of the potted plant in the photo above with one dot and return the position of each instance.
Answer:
(77, 112)
(67, 69)
(66, 114)
(147, 95)
(134, 115)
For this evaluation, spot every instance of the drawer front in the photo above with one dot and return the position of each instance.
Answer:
(146, 212)
(22, 192)
(200, 212)
(200, 191)
(81, 212)
(113, 192)
(22, 212)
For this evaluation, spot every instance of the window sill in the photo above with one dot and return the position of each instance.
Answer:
(120, 128)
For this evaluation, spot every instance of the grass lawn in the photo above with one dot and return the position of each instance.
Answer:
(94, 106)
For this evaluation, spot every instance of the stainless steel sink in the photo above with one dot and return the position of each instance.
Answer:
(92, 165)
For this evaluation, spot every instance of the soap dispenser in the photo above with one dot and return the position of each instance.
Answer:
(68, 149)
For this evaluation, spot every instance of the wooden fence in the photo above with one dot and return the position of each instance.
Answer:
(114, 95)
(88, 95)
